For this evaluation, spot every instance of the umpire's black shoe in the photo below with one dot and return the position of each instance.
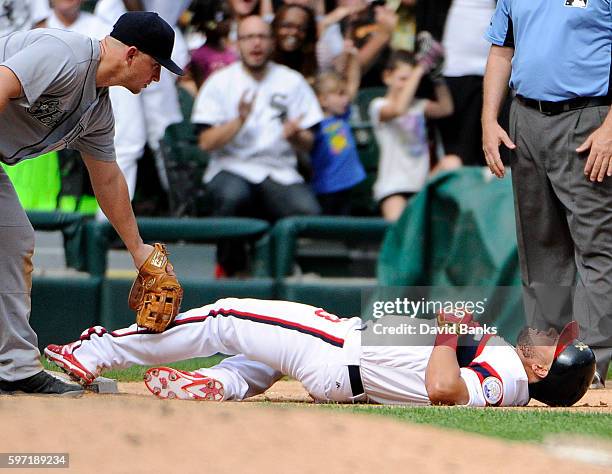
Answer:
(41, 383)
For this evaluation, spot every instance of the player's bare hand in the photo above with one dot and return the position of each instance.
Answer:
(142, 253)
(599, 146)
(493, 135)
(247, 99)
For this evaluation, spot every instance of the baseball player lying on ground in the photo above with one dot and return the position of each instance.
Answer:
(269, 339)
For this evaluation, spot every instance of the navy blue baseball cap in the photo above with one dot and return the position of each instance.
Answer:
(148, 32)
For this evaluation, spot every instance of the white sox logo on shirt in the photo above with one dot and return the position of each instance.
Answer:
(47, 112)
(279, 102)
(576, 3)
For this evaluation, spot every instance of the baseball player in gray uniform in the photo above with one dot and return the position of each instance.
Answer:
(53, 95)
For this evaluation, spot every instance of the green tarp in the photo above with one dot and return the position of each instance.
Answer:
(459, 232)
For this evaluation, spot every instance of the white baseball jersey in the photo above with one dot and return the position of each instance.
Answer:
(269, 339)
(490, 367)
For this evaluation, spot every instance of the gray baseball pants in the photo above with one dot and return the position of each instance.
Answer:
(19, 355)
(563, 224)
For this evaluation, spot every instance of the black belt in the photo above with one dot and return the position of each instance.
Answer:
(355, 378)
(554, 108)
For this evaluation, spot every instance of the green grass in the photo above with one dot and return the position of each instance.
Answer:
(516, 425)
(135, 373)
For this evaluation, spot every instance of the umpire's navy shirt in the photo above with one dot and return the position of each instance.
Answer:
(562, 48)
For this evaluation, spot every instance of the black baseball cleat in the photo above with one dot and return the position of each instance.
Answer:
(41, 383)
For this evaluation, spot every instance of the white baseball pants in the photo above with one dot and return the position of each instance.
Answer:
(268, 338)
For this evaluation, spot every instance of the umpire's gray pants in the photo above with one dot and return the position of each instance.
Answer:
(19, 355)
(564, 224)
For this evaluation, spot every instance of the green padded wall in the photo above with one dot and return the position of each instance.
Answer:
(63, 307)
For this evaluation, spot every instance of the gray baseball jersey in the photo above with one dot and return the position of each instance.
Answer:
(61, 106)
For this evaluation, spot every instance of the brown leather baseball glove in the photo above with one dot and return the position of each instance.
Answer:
(155, 295)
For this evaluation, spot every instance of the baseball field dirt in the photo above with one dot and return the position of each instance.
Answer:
(134, 432)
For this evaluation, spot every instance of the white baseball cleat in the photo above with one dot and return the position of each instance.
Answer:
(166, 382)
(63, 357)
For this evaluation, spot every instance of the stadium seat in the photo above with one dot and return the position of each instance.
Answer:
(185, 162)
(353, 230)
(71, 224)
(197, 230)
(367, 147)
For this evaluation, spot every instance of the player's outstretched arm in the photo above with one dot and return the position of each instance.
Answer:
(112, 194)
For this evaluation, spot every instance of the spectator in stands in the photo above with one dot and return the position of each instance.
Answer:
(330, 45)
(371, 30)
(466, 58)
(255, 116)
(158, 106)
(335, 162)
(241, 9)
(405, 32)
(295, 33)
(213, 19)
(398, 119)
(18, 15)
(269, 7)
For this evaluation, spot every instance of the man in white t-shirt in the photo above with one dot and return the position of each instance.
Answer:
(255, 116)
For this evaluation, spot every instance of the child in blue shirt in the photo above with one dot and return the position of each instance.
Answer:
(335, 162)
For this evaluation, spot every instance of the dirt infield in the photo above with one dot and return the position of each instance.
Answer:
(134, 432)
